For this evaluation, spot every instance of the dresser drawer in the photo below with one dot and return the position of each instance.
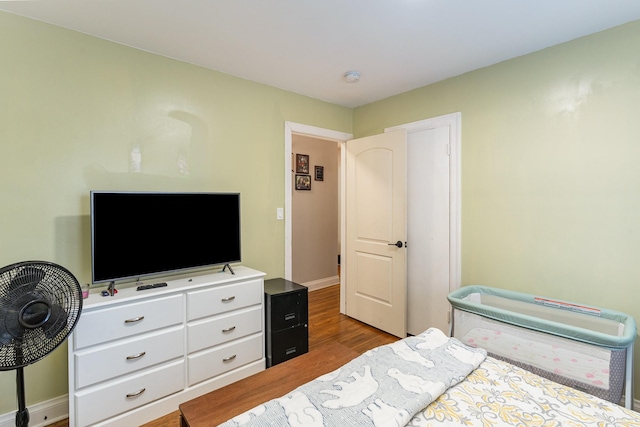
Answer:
(220, 329)
(127, 356)
(101, 402)
(209, 363)
(221, 299)
(122, 321)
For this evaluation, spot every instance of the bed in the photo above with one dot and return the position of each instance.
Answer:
(432, 380)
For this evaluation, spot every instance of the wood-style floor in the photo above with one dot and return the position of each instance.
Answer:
(326, 325)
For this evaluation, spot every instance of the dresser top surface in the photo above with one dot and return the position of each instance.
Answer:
(128, 292)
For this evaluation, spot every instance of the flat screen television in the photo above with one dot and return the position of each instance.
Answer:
(139, 234)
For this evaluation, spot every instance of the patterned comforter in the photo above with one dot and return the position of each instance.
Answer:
(386, 386)
(501, 394)
(434, 380)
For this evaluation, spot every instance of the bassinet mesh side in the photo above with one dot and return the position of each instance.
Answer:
(616, 380)
(608, 335)
(537, 353)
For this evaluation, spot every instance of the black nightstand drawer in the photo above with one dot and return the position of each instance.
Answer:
(288, 344)
(288, 310)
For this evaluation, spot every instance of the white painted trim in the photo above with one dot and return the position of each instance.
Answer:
(314, 285)
(453, 121)
(343, 222)
(289, 129)
(41, 414)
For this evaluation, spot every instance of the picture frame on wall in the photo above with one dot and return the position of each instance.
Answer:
(319, 176)
(303, 182)
(302, 163)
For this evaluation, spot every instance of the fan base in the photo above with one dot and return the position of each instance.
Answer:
(22, 418)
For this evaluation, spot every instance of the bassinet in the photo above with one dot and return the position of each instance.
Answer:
(587, 348)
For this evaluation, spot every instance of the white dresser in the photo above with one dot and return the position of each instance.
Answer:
(137, 355)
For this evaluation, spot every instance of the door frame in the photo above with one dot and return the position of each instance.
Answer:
(453, 121)
(291, 128)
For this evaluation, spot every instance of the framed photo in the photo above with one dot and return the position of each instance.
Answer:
(303, 182)
(319, 173)
(302, 163)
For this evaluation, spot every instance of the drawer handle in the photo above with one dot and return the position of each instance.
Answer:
(228, 359)
(227, 299)
(136, 356)
(290, 350)
(228, 329)
(136, 393)
(134, 320)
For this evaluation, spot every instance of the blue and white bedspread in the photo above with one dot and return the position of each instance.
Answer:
(385, 386)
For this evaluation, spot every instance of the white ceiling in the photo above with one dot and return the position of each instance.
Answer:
(306, 46)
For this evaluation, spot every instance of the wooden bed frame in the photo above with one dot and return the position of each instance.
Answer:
(225, 403)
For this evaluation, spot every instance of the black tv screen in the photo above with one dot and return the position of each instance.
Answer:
(136, 234)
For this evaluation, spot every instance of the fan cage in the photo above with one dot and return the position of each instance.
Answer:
(20, 285)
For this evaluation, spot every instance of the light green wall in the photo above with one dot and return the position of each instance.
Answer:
(73, 107)
(550, 167)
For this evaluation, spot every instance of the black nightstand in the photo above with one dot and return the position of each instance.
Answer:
(286, 320)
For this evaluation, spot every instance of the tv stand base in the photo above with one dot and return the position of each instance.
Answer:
(229, 267)
(112, 288)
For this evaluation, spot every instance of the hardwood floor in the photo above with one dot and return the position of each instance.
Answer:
(326, 326)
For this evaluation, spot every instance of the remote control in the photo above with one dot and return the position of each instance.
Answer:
(155, 285)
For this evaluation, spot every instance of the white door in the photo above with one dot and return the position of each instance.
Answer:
(375, 231)
(433, 220)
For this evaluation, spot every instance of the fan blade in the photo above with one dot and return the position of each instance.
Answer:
(57, 321)
(28, 277)
(10, 328)
(40, 303)
(5, 336)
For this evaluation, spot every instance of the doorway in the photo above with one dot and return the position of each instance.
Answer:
(315, 212)
(452, 124)
(316, 135)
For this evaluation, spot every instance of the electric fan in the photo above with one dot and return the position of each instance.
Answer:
(40, 304)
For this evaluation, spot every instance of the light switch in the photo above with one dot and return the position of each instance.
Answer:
(280, 213)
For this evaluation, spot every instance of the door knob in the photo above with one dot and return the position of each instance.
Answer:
(398, 244)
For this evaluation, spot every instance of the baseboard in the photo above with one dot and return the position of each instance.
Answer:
(41, 414)
(314, 285)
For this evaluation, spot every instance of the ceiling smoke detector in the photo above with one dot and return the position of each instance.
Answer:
(352, 76)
